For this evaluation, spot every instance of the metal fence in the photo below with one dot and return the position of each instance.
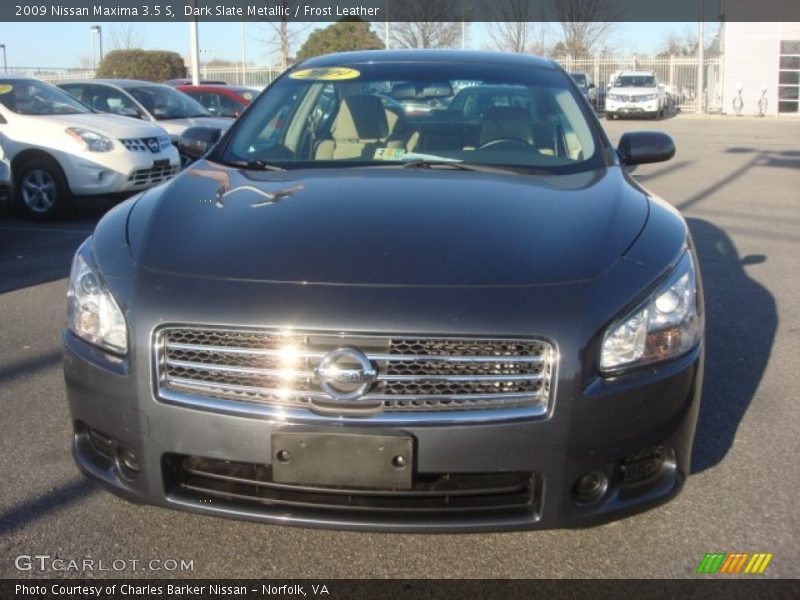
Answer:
(678, 73)
(51, 75)
(236, 75)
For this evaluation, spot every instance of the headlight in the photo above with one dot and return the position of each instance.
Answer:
(92, 313)
(667, 325)
(650, 97)
(90, 140)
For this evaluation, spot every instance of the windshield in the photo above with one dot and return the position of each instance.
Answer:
(164, 102)
(635, 81)
(33, 97)
(379, 113)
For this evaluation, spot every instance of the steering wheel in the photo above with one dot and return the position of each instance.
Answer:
(506, 141)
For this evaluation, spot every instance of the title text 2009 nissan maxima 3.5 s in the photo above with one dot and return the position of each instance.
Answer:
(353, 314)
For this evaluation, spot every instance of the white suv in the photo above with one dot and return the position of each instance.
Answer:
(59, 148)
(635, 94)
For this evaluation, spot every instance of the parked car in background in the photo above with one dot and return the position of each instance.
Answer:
(185, 81)
(5, 179)
(154, 102)
(438, 324)
(586, 85)
(635, 94)
(221, 100)
(59, 148)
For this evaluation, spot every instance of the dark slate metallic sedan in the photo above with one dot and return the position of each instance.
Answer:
(348, 316)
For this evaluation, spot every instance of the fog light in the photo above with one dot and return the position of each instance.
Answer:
(642, 466)
(590, 487)
(101, 443)
(127, 462)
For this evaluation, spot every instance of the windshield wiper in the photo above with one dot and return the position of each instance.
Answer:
(426, 163)
(255, 165)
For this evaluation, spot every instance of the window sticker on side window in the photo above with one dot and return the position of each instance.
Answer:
(389, 153)
(326, 74)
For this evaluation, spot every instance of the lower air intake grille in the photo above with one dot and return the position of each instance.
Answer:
(205, 480)
(152, 176)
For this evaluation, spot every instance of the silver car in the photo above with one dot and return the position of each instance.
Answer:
(171, 109)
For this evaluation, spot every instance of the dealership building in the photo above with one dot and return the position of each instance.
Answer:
(761, 56)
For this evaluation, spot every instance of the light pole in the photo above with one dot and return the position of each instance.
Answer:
(5, 64)
(701, 59)
(194, 51)
(244, 57)
(386, 26)
(99, 31)
(464, 10)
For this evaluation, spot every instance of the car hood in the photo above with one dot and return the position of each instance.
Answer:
(113, 126)
(387, 226)
(175, 127)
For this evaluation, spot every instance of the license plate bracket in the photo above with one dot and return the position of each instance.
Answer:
(342, 459)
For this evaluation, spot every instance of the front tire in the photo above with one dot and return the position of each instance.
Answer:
(41, 190)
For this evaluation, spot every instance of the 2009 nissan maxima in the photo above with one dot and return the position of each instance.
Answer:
(349, 314)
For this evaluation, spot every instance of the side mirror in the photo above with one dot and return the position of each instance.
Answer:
(592, 86)
(640, 147)
(197, 141)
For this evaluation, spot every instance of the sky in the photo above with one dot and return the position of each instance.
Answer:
(62, 45)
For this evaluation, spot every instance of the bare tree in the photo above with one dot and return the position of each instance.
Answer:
(284, 33)
(584, 24)
(125, 36)
(423, 24)
(512, 31)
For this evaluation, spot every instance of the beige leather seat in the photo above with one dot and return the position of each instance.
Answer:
(359, 128)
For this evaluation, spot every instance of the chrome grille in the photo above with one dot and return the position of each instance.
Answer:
(153, 176)
(153, 145)
(274, 368)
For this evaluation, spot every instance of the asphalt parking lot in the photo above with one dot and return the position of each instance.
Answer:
(736, 180)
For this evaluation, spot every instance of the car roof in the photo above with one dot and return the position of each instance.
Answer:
(635, 73)
(431, 56)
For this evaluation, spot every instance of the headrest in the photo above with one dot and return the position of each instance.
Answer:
(404, 91)
(360, 118)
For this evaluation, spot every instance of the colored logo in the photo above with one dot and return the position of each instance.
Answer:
(326, 74)
(733, 563)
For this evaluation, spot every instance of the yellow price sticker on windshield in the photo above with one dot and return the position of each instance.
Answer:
(5, 88)
(247, 96)
(326, 74)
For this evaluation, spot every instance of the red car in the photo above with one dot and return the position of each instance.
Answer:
(221, 100)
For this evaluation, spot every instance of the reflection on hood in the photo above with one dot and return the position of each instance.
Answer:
(224, 190)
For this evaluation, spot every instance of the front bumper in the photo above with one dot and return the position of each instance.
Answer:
(594, 426)
(648, 108)
(118, 171)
